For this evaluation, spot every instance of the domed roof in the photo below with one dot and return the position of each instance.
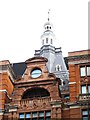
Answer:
(48, 26)
(48, 23)
(48, 33)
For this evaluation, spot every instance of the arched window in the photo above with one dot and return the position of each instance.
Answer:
(35, 92)
(58, 67)
(63, 82)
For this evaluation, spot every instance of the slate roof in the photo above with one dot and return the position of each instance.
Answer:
(19, 68)
(66, 62)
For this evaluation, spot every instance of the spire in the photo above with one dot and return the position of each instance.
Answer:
(48, 25)
(48, 36)
(48, 15)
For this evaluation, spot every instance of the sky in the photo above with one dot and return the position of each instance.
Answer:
(21, 26)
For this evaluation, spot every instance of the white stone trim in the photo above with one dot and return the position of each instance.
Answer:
(2, 71)
(72, 107)
(78, 62)
(72, 83)
(56, 106)
(4, 90)
(1, 113)
(12, 110)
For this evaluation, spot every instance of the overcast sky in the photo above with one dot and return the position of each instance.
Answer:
(21, 26)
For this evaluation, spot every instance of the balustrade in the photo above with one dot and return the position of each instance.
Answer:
(31, 102)
(84, 97)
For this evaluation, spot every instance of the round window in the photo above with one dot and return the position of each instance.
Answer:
(36, 73)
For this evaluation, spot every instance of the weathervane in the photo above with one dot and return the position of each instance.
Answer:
(48, 14)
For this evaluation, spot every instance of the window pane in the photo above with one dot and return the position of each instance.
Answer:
(85, 118)
(46, 40)
(36, 73)
(41, 114)
(66, 96)
(51, 41)
(82, 71)
(34, 114)
(48, 113)
(43, 42)
(84, 112)
(27, 115)
(83, 89)
(48, 118)
(88, 88)
(88, 71)
(41, 118)
(34, 118)
(89, 111)
(21, 115)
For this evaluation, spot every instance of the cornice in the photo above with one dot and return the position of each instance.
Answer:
(9, 70)
(78, 57)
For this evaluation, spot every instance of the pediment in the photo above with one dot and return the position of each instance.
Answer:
(36, 59)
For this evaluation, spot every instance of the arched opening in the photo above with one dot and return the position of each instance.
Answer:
(35, 92)
(51, 41)
(46, 40)
(58, 67)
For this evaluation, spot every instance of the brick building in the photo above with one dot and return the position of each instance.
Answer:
(46, 86)
(79, 84)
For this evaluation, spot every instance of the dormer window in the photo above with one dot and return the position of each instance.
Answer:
(58, 67)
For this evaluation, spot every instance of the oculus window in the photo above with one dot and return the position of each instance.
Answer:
(35, 73)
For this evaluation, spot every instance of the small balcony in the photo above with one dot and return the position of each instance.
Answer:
(35, 101)
(84, 97)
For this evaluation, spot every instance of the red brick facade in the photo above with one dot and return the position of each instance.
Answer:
(37, 95)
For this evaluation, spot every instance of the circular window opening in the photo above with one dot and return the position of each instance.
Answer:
(36, 73)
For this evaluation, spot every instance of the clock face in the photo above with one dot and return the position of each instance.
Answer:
(36, 73)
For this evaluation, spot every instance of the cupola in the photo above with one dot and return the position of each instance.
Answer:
(48, 36)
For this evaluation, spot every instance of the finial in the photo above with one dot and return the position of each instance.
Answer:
(48, 14)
